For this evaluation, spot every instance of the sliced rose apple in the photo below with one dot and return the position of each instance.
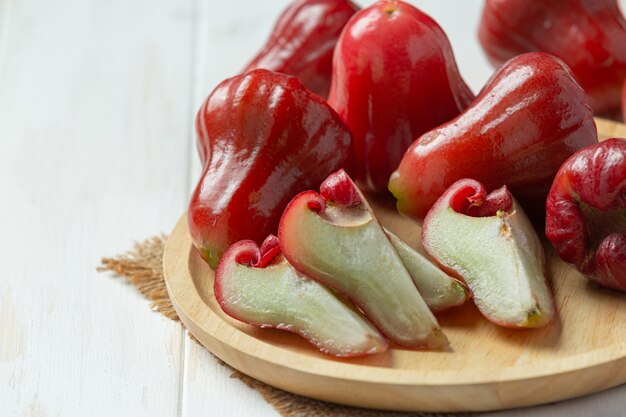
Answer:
(440, 291)
(489, 242)
(335, 239)
(261, 288)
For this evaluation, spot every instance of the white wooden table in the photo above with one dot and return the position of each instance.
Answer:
(97, 100)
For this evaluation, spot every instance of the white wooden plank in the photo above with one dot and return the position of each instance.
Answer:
(209, 390)
(5, 6)
(94, 119)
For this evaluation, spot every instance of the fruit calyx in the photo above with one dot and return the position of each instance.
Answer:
(249, 254)
(339, 201)
(471, 199)
(338, 188)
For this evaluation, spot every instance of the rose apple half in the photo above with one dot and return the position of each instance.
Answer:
(586, 212)
(335, 239)
(263, 138)
(488, 241)
(529, 118)
(261, 288)
(303, 40)
(394, 78)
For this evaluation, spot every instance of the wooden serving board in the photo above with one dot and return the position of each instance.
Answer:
(485, 368)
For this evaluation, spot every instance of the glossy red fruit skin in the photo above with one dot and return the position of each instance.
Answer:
(589, 35)
(591, 184)
(263, 138)
(303, 40)
(528, 119)
(624, 101)
(394, 78)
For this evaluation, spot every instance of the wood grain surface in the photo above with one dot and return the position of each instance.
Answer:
(91, 105)
(485, 368)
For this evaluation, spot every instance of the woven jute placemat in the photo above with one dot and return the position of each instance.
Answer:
(142, 267)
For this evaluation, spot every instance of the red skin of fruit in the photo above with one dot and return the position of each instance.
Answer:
(586, 212)
(528, 119)
(303, 40)
(394, 78)
(263, 138)
(624, 101)
(589, 35)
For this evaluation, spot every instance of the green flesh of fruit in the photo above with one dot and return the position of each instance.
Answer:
(439, 290)
(501, 259)
(278, 296)
(346, 248)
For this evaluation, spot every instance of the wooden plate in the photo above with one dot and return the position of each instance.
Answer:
(486, 367)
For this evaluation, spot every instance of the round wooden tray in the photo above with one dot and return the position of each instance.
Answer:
(485, 368)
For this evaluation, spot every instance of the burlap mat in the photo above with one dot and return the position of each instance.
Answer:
(143, 268)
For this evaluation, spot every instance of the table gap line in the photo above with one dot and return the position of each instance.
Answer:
(190, 99)
(184, 362)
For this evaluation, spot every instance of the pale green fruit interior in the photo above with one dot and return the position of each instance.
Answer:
(501, 259)
(347, 248)
(439, 290)
(279, 296)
